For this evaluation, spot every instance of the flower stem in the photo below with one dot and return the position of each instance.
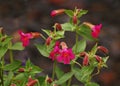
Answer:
(53, 73)
(11, 56)
(1, 73)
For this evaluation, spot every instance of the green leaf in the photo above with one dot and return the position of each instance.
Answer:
(93, 50)
(13, 66)
(79, 46)
(84, 73)
(92, 84)
(21, 76)
(69, 12)
(41, 80)
(3, 50)
(82, 12)
(6, 41)
(46, 31)
(85, 32)
(59, 34)
(64, 78)
(59, 72)
(17, 46)
(68, 27)
(36, 69)
(8, 79)
(43, 50)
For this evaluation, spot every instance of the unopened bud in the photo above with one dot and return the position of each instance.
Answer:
(98, 58)
(58, 26)
(103, 49)
(57, 12)
(48, 40)
(74, 19)
(31, 82)
(35, 34)
(82, 54)
(13, 84)
(49, 80)
(85, 60)
(63, 45)
(21, 70)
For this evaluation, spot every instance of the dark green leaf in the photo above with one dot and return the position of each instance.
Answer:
(41, 80)
(59, 72)
(13, 66)
(43, 50)
(6, 41)
(79, 46)
(64, 78)
(17, 46)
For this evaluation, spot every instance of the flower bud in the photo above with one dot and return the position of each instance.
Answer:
(31, 82)
(82, 54)
(48, 40)
(57, 12)
(21, 70)
(35, 34)
(74, 19)
(58, 26)
(85, 60)
(103, 49)
(64, 45)
(98, 58)
(49, 80)
(13, 84)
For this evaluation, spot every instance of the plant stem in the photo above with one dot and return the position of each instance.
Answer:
(53, 73)
(1, 72)
(76, 40)
(11, 56)
(69, 81)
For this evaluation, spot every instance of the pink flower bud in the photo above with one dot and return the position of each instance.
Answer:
(103, 49)
(57, 12)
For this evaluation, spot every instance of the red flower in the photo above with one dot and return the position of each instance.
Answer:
(66, 55)
(55, 52)
(25, 37)
(96, 30)
(57, 12)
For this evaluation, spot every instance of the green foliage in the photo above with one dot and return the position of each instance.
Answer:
(64, 78)
(91, 84)
(17, 46)
(85, 32)
(68, 27)
(79, 46)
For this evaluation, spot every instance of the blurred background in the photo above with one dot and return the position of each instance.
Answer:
(34, 15)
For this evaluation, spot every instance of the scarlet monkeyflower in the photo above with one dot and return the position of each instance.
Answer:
(25, 37)
(55, 52)
(85, 60)
(95, 29)
(66, 55)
